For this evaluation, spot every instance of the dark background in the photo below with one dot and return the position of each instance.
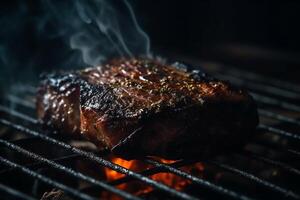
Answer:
(190, 25)
(258, 35)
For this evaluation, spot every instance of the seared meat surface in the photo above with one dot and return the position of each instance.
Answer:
(141, 107)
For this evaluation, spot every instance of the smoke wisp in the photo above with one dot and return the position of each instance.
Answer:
(49, 35)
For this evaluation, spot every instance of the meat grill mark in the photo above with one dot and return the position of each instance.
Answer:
(141, 107)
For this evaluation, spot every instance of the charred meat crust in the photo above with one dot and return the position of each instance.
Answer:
(140, 107)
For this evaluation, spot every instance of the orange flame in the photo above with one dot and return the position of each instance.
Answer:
(137, 188)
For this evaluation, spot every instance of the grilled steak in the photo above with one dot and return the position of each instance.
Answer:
(141, 107)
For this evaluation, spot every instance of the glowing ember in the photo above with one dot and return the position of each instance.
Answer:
(136, 188)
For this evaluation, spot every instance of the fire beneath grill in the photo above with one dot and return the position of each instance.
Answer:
(166, 178)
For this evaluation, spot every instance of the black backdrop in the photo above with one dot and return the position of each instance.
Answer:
(257, 34)
(190, 25)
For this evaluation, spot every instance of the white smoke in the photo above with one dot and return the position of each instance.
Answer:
(50, 35)
(102, 29)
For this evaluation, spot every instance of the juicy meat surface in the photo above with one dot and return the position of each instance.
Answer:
(141, 107)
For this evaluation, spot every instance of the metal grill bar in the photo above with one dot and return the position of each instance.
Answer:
(261, 126)
(258, 97)
(279, 131)
(259, 78)
(262, 112)
(204, 183)
(271, 162)
(199, 181)
(68, 170)
(18, 100)
(292, 94)
(275, 102)
(278, 117)
(18, 114)
(294, 152)
(270, 100)
(15, 193)
(260, 87)
(279, 149)
(151, 171)
(23, 116)
(38, 164)
(24, 88)
(46, 180)
(271, 186)
(100, 161)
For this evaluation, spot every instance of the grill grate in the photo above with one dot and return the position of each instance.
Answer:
(279, 113)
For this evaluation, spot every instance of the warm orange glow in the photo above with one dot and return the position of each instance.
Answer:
(112, 174)
(135, 187)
